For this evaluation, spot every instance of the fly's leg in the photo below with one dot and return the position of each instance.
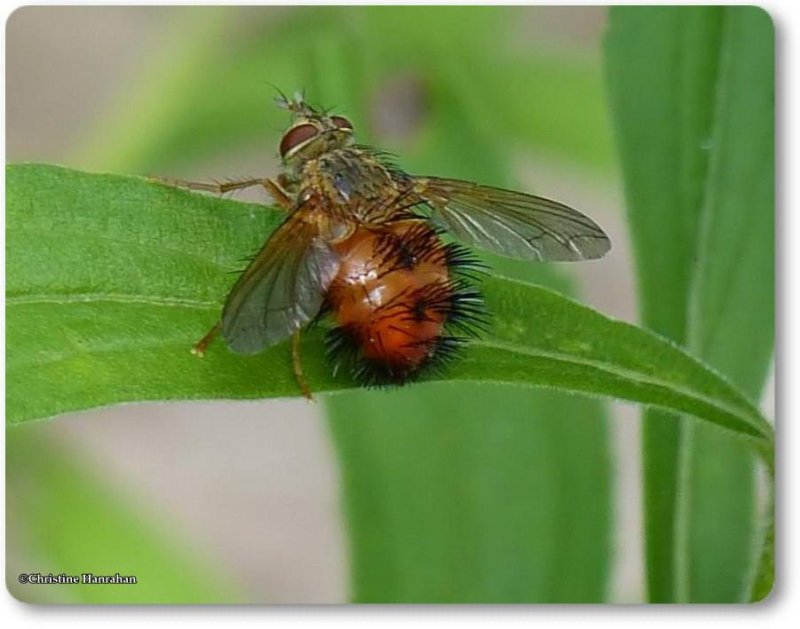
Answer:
(201, 346)
(284, 201)
(278, 193)
(297, 367)
(208, 186)
(274, 189)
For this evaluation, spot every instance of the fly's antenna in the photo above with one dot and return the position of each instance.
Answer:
(281, 100)
(296, 104)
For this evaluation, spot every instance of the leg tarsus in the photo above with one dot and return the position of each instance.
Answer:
(199, 348)
(297, 367)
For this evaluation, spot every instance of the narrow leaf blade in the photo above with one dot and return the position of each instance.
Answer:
(661, 64)
(98, 329)
(734, 293)
(692, 91)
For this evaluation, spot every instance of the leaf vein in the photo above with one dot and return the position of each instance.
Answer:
(78, 298)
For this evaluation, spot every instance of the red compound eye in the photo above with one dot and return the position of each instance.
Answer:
(342, 123)
(296, 136)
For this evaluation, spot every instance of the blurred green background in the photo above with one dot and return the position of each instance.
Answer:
(434, 493)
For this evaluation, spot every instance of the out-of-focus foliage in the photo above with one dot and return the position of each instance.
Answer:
(62, 515)
(692, 90)
(210, 86)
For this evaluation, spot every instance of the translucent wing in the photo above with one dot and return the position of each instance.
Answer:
(512, 224)
(283, 287)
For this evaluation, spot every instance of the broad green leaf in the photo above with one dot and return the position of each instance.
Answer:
(683, 139)
(475, 499)
(110, 278)
(70, 521)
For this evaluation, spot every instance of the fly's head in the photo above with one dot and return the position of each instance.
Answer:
(312, 133)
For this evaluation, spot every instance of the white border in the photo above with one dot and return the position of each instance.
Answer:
(777, 611)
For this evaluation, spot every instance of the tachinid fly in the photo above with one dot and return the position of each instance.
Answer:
(361, 244)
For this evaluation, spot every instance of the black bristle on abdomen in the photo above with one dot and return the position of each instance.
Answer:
(344, 352)
(465, 318)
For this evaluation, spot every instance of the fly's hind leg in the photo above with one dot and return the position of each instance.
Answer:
(297, 367)
(199, 348)
(273, 188)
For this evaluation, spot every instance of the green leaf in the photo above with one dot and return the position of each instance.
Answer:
(661, 68)
(735, 271)
(467, 496)
(110, 278)
(691, 97)
(763, 579)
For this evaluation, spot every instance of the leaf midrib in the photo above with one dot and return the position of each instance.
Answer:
(120, 298)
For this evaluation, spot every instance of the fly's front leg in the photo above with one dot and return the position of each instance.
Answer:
(274, 189)
(284, 201)
(208, 186)
(297, 367)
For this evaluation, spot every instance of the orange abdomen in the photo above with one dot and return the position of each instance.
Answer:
(392, 298)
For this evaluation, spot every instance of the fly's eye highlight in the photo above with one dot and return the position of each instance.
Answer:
(296, 136)
(342, 123)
